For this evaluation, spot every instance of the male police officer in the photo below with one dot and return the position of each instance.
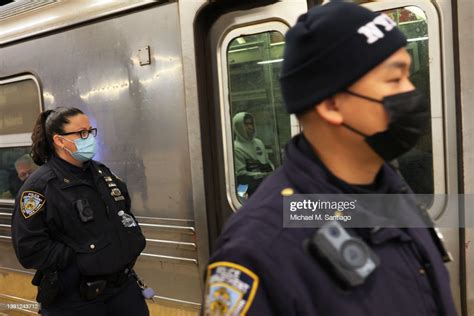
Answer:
(346, 76)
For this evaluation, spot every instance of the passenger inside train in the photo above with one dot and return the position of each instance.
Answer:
(252, 164)
(14, 178)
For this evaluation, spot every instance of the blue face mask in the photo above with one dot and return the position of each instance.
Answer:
(86, 148)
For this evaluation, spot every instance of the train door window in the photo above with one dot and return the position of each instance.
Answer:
(418, 165)
(20, 105)
(259, 124)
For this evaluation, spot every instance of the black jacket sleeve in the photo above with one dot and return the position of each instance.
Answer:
(31, 235)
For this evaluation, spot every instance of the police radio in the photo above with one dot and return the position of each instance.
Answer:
(348, 258)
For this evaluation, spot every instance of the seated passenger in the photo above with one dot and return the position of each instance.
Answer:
(24, 167)
(252, 164)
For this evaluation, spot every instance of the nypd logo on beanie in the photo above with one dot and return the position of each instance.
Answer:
(331, 47)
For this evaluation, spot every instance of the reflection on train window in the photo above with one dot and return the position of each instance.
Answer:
(416, 166)
(19, 107)
(260, 125)
(16, 166)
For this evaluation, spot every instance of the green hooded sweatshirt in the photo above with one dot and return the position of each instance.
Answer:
(251, 158)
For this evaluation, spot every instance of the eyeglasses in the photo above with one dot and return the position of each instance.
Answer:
(84, 133)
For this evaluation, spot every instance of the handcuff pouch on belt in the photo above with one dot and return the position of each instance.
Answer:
(90, 290)
(92, 287)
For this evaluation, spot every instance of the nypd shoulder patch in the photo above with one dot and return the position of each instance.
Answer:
(31, 202)
(230, 289)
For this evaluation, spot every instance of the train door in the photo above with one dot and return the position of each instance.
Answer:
(246, 51)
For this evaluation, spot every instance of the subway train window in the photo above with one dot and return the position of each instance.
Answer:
(260, 125)
(416, 166)
(19, 106)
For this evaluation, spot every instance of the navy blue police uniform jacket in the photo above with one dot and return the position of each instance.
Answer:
(69, 216)
(261, 268)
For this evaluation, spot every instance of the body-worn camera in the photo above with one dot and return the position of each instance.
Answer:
(349, 259)
(84, 210)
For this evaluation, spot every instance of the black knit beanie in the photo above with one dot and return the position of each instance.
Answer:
(330, 48)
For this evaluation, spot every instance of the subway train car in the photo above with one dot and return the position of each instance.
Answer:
(162, 81)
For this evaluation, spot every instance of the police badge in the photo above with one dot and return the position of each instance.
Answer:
(230, 289)
(30, 203)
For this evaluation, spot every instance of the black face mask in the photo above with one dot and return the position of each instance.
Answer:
(408, 115)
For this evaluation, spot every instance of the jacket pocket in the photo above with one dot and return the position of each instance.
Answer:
(97, 257)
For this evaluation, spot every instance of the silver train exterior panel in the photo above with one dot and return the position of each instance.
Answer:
(141, 115)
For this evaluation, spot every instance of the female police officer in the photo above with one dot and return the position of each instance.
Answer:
(72, 223)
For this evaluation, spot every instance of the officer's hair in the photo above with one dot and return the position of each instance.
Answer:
(48, 124)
